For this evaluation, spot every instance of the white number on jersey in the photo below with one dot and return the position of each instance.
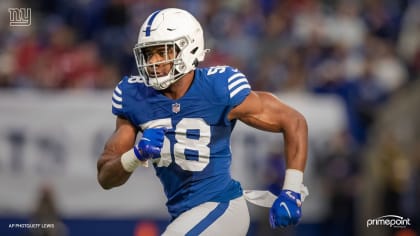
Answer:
(182, 143)
(219, 69)
(135, 79)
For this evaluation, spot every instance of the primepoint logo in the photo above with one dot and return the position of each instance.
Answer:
(389, 220)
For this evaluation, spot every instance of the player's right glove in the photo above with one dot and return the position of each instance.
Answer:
(149, 147)
(150, 144)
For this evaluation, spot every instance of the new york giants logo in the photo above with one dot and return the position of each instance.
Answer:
(20, 16)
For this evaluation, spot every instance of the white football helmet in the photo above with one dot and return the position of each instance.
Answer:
(174, 28)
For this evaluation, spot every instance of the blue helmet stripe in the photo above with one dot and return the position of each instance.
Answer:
(149, 23)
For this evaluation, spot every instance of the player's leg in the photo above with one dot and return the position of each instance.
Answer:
(212, 218)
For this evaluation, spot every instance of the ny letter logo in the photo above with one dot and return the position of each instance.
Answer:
(20, 16)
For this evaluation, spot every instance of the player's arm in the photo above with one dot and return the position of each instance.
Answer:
(110, 170)
(264, 111)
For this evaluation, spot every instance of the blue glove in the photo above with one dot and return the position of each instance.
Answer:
(150, 144)
(286, 209)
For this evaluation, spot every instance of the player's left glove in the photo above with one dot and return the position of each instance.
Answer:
(286, 209)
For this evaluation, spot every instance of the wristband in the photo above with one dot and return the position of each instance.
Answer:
(130, 162)
(293, 180)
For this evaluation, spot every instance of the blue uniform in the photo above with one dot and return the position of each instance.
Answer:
(194, 166)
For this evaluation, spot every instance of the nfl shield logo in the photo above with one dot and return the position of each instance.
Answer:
(176, 107)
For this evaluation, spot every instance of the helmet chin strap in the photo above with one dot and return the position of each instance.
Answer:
(167, 81)
(160, 85)
(165, 85)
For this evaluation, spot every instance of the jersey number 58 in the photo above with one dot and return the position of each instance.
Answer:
(177, 147)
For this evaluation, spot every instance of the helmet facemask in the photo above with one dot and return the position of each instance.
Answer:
(170, 52)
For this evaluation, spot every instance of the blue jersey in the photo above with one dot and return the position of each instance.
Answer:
(194, 165)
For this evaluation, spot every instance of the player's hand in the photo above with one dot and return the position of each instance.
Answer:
(286, 209)
(150, 144)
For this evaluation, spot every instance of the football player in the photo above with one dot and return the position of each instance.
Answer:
(186, 116)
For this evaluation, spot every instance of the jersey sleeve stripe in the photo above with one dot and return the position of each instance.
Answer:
(116, 102)
(239, 81)
(234, 76)
(238, 89)
(118, 91)
(116, 106)
(117, 97)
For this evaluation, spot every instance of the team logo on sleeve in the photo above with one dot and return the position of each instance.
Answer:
(176, 107)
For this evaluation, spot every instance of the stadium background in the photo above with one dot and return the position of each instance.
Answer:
(351, 67)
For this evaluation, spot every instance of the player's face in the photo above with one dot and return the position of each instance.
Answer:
(160, 58)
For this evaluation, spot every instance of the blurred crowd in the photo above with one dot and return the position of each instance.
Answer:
(362, 51)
